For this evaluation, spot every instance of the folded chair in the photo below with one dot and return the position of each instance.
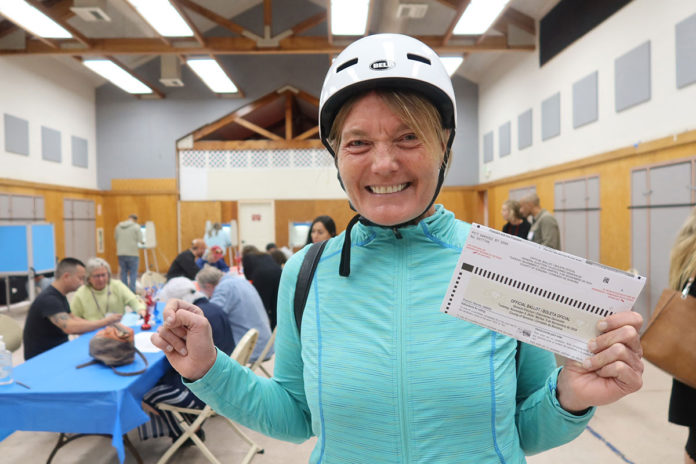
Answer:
(241, 354)
(258, 364)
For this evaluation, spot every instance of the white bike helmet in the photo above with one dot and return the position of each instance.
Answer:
(392, 61)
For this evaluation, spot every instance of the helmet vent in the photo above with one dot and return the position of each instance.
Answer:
(347, 64)
(413, 57)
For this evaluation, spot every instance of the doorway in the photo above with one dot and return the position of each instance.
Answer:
(256, 223)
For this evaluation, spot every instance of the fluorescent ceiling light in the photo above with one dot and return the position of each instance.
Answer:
(118, 76)
(31, 19)
(212, 75)
(163, 17)
(349, 17)
(451, 63)
(479, 16)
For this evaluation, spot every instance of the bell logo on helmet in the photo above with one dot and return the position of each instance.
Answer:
(382, 65)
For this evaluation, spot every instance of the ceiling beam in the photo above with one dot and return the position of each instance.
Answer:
(246, 46)
(519, 19)
(214, 17)
(309, 23)
(258, 129)
(196, 33)
(267, 15)
(288, 115)
(462, 4)
(308, 133)
(256, 144)
(61, 21)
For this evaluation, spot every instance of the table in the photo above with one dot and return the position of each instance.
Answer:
(91, 400)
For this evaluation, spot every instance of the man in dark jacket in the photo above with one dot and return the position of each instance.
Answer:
(184, 265)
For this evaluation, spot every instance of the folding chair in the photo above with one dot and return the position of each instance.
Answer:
(241, 354)
(258, 364)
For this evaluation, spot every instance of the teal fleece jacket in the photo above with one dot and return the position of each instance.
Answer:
(381, 375)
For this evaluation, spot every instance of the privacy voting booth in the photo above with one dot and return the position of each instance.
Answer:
(26, 250)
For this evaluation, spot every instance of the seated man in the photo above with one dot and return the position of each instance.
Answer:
(184, 265)
(215, 257)
(49, 321)
(169, 388)
(103, 295)
(240, 301)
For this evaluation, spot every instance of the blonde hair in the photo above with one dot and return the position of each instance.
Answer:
(416, 111)
(682, 258)
(514, 207)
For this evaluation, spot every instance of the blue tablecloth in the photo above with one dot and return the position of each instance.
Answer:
(88, 400)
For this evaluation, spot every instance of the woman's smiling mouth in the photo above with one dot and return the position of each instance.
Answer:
(384, 189)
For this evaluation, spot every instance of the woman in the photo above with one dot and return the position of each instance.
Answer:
(264, 274)
(682, 264)
(322, 228)
(516, 224)
(217, 236)
(102, 295)
(379, 374)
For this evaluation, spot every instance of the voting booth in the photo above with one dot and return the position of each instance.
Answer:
(26, 250)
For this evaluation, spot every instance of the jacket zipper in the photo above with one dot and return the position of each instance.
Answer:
(401, 250)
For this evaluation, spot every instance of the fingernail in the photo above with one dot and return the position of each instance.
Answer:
(587, 363)
(602, 325)
(183, 352)
(170, 320)
(170, 348)
(592, 345)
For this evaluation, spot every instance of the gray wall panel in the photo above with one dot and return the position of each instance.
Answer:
(50, 144)
(670, 184)
(639, 258)
(632, 77)
(593, 192)
(593, 234)
(639, 187)
(16, 135)
(516, 194)
(575, 194)
(524, 130)
(685, 43)
(4, 206)
(504, 139)
(585, 100)
(79, 151)
(575, 237)
(551, 117)
(488, 147)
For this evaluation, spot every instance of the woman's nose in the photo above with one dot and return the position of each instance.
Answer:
(385, 159)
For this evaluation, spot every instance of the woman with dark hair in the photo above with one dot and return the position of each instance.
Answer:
(322, 228)
(264, 274)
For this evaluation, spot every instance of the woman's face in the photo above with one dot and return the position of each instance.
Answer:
(505, 212)
(99, 278)
(319, 232)
(388, 174)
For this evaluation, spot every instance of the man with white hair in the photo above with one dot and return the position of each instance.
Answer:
(241, 302)
(169, 388)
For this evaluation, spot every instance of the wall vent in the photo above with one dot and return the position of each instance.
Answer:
(91, 10)
(412, 10)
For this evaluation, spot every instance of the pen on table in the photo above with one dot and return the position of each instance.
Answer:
(23, 384)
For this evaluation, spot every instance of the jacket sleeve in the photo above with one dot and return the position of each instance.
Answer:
(276, 407)
(550, 234)
(77, 307)
(542, 423)
(129, 298)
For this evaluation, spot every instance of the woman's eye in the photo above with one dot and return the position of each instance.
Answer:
(355, 143)
(409, 138)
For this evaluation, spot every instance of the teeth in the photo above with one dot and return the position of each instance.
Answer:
(388, 188)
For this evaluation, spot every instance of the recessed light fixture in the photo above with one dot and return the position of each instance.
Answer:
(451, 63)
(212, 75)
(31, 19)
(117, 76)
(163, 17)
(479, 16)
(349, 17)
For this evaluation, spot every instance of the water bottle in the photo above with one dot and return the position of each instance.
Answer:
(5, 364)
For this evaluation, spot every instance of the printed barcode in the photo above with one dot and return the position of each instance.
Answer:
(537, 291)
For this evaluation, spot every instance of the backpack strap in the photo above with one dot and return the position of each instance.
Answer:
(128, 374)
(304, 280)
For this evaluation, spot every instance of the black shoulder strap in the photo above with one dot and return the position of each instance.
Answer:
(304, 280)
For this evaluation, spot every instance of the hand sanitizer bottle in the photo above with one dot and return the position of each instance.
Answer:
(5, 364)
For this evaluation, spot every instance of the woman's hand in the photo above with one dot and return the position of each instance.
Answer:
(613, 372)
(186, 338)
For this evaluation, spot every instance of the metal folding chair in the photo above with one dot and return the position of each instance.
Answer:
(241, 354)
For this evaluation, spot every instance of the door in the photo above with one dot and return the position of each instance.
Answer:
(256, 223)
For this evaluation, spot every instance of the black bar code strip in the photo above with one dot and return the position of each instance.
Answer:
(537, 291)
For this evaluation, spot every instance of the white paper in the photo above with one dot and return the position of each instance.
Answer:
(144, 344)
(536, 294)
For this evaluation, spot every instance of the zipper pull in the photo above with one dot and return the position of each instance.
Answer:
(397, 234)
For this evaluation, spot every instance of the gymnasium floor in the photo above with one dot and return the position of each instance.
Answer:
(633, 430)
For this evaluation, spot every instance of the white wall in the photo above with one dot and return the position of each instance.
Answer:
(515, 85)
(45, 92)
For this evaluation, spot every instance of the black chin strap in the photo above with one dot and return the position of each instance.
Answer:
(344, 266)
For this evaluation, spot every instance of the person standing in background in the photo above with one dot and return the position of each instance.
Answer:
(216, 236)
(682, 263)
(128, 236)
(322, 228)
(516, 224)
(544, 228)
